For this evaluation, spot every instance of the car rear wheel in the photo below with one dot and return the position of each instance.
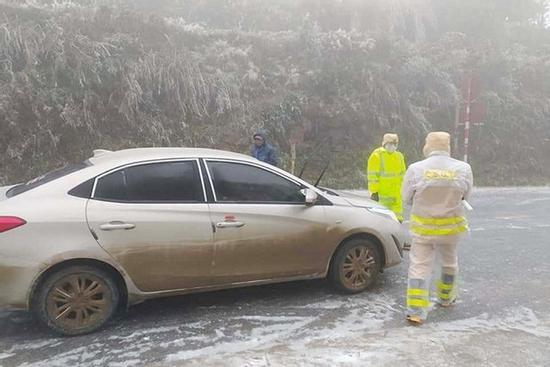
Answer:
(356, 265)
(76, 300)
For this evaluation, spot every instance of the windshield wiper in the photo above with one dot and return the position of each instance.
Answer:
(322, 174)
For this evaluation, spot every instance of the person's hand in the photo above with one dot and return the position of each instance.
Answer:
(374, 196)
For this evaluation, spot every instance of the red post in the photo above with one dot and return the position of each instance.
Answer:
(458, 108)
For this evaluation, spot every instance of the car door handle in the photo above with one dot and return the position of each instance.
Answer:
(229, 224)
(113, 226)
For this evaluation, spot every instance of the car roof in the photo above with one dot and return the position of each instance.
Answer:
(145, 154)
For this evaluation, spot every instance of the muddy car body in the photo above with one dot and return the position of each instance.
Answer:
(136, 224)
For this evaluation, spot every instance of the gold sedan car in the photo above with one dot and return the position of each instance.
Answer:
(79, 242)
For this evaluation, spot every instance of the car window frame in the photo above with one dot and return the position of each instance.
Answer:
(250, 164)
(156, 161)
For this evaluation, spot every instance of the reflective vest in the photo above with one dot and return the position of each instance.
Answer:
(436, 187)
(385, 173)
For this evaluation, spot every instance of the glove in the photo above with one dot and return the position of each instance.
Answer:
(374, 196)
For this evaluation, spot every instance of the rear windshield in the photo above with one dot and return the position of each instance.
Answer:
(48, 177)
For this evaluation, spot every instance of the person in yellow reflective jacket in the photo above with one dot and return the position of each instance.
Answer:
(385, 171)
(436, 188)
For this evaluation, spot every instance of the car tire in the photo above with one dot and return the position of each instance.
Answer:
(76, 300)
(355, 266)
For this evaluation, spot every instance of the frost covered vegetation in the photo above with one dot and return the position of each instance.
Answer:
(326, 77)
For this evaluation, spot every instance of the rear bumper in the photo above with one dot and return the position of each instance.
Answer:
(16, 279)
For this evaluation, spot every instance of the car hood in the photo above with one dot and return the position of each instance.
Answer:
(355, 198)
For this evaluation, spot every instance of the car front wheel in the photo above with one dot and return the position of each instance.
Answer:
(76, 300)
(356, 265)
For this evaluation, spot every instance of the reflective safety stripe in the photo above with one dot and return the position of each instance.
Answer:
(417, 297)
(423, 303)
(438, 226)
(440, 174)
(423, 231)
(443, 286)
(446, 291)
(437, 221)
(372, 174)
(417, 292)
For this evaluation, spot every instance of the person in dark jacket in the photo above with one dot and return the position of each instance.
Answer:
(263, 151)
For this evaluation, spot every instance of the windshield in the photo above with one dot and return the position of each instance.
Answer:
(48, 177)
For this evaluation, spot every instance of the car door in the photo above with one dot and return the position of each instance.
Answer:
(263, 229)
(154, 220)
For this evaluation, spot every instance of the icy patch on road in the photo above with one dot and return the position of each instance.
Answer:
(336, 319)
(270, 318)
(146, 332)
(86, 355)
(6, 355)
(531, 202)
(477, 229)
(404, 345)
(517, 319)
(507, 189)
(330, 319)
(366, 329)
(50, 343)
(513, 226)
(128, 363)
(263, 336)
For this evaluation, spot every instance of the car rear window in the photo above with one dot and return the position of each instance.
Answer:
(48, 177)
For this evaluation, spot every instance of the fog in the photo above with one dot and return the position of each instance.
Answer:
(324, 79)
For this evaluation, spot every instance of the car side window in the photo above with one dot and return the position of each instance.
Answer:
(152, 182)
(236, 182)
(112, 187)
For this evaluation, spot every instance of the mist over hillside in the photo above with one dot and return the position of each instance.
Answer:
(323, 78)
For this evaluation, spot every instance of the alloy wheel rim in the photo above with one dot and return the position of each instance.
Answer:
(358, 266)
(78, 301)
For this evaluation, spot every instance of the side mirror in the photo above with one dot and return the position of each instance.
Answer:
(311, 197)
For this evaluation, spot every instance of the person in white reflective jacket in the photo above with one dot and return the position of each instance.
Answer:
(435, 187)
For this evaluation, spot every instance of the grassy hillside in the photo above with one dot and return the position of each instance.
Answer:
(327, 76)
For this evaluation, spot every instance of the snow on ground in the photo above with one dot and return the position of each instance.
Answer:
(358, 331)
(349, 342)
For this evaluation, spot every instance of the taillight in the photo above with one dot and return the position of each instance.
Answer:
(7, 223)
